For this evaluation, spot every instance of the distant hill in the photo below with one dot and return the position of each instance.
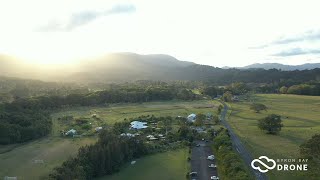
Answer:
(283, 67)
(126, 67)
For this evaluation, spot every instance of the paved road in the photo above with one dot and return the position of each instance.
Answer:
(199, 162)
(239, 147)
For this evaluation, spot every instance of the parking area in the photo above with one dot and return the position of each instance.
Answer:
(200, 163)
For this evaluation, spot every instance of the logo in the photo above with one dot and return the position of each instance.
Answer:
(281, 164)
(261, 163)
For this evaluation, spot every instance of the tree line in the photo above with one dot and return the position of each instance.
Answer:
(230, 164)
(312, 89)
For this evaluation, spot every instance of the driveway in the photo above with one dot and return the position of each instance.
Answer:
(239, 147)
(199, 162)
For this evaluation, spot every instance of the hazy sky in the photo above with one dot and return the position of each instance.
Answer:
(218, 33)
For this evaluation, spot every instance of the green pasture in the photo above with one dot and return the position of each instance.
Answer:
(171, 165)
(300, 115)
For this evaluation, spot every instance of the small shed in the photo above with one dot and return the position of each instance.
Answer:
(71, 132)
(192, 117)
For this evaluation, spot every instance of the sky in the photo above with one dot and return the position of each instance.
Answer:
(212, 32)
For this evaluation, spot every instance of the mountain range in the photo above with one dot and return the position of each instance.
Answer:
(283, 67)
(124, 67)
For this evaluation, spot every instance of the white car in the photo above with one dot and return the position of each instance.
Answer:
(212, 166)
(193, 174)
(214, 178)
(211, 157)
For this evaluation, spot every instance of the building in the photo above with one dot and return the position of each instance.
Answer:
(98, 129)
(192, 117)
(71, 132)
(127, 134)
(138, 125)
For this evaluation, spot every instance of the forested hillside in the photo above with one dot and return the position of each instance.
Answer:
(128, 67)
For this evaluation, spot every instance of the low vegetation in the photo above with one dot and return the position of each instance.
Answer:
(230, 164)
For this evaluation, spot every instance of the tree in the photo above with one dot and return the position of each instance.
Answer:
(200, 119)
(227, 96)
(220, 108)
(283, 90)
(210, 90)
(311, 150)
(257, 107)
(272, 124)
(216, 119)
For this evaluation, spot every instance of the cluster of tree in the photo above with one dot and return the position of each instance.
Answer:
(311, 150)
(105, 157)
(230, 164)
(228, 76)
(257, 107)
(227, 96)
(13, 88)
(302, 89)
(236, 88)
(271, 124)
(118, 95)
(186, 133)
(19, 125)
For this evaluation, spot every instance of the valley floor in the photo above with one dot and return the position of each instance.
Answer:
(36, 159)
(171, 165)
(300, 115)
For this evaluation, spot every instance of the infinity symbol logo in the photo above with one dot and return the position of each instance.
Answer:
(267, 168)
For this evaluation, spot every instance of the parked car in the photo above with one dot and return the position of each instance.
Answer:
(198, 145)
(193, 174)
(211, 157)
(214, 178)
(212, 166)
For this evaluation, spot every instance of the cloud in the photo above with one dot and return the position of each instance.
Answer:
(85, 17)
(311, 35)
(306, 36)
(296, 52)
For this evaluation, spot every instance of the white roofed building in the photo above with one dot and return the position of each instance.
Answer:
(138, 125)
(192, 117)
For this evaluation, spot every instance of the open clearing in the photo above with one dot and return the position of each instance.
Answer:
(18, 160)
(117, 112)
(300, 115)
(37, 158)
(171, 165)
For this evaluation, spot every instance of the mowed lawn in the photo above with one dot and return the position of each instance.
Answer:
(53, 150)
(300, 115)
(171, 165)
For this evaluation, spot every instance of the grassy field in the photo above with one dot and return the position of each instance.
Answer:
(17, 160)
(300, 115)
(21, 161)
(172, 165)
